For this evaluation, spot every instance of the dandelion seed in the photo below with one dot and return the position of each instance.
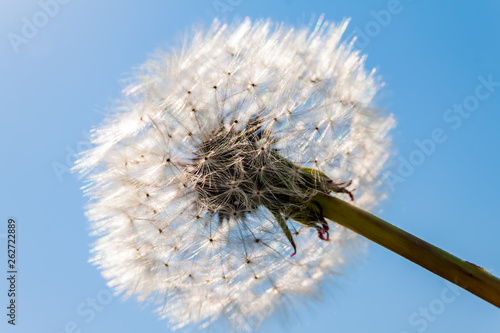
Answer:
(201, 183)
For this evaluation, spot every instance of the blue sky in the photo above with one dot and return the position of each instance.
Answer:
(435, 57)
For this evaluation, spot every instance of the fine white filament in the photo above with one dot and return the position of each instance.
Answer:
(160, 237)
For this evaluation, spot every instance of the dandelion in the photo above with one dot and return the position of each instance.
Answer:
(206, 181)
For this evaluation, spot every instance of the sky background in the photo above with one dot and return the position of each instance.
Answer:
(432, 55)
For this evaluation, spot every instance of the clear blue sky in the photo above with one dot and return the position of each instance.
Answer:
(431, 55)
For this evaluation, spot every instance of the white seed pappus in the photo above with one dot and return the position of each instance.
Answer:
(181, 171)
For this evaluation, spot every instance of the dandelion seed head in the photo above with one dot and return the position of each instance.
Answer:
(185, 175)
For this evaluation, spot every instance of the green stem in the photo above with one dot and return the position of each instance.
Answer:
(462, 273)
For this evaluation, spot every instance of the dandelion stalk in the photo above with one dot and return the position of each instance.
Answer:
(200, 180)
(464, 274)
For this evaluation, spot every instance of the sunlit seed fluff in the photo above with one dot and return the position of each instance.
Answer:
(180, 174)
